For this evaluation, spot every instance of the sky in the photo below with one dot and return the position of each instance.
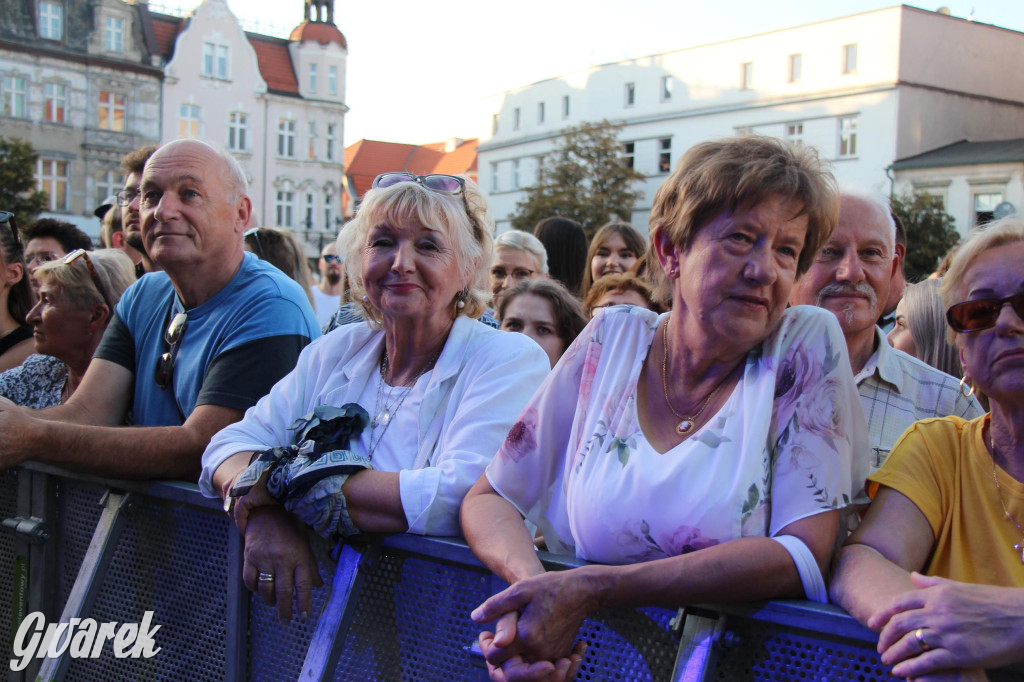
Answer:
(420, 72)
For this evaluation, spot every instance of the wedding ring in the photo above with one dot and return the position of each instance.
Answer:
(919, 634)
(266, 577)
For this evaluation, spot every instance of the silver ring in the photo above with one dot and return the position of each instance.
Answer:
(266, 577)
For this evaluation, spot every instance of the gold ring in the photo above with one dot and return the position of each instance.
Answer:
(266, 577)
(919, 634)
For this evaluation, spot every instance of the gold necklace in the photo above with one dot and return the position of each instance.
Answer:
(686, 424)
(999, 492)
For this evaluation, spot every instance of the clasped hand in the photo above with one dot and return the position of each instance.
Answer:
(537, 621)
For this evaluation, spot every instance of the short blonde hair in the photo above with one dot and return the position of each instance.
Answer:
(517, 240)
(464, 219)
(735, 173)
(1009, 230)
(114, 269)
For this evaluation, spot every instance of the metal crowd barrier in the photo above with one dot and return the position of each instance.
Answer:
(77, 546)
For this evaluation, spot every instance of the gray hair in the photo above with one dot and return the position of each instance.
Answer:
(464, 219)
(877, 201)
(926, 320)
(115, 270)
(518, 240)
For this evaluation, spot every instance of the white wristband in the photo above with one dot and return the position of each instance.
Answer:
(806, 566)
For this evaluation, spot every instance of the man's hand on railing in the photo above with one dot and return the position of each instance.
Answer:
(278, 561)
(538, 619)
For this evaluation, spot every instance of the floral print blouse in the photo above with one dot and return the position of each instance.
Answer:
(788, 443)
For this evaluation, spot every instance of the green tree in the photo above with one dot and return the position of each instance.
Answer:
(931, 232)
(18, 193)
(584, 178)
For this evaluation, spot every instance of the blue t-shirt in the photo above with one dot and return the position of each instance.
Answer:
(234, 348)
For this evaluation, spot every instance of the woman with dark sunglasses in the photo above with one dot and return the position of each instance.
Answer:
(937, 566)
(384, 424)
(15, 296)
(77, 295)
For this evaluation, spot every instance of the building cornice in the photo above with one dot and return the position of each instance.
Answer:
(84, 59)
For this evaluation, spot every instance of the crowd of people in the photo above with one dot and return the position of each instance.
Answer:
(705, 413)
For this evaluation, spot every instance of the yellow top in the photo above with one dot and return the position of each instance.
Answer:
(943, 467)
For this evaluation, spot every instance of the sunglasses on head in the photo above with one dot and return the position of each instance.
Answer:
(442, 184)
(84, 255)
(974, 316)
(254, 232)
(172, 337)
(8, 217)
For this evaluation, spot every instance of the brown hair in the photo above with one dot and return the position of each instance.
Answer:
(634, 240)
(135, 160)
(735, 173)
(616, 283)
(19, 299)
(569, 317)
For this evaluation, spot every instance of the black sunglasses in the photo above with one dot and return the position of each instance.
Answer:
(173, 335)
(8, 217)
(83, 254)
(974, 316)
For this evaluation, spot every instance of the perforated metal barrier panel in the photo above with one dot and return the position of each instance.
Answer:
(8, 509)
(409, 609)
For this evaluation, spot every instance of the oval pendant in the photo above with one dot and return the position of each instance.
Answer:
(684, 426)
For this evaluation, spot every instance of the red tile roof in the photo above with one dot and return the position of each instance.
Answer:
(321, 32)
(275, 63)
(166, 29)
(366, 159)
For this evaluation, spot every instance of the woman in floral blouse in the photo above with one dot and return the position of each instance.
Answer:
(730, 425)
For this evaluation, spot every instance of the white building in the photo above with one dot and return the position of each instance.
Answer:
(865, 90)
(973, 181)
(277, 104)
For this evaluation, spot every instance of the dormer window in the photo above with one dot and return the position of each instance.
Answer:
(51, 20)
(113, 34)
(216, 61)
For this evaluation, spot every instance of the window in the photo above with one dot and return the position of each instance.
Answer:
(332, 80)
(515, 174)
(311, 137)
(666, 89)
(286, 139)
(55, 101)
(107, 182)
(665, 155)
(565, 106)
(985, 207)
(796, 66)
(848, 136)
(113, 34)
(238, 131)
(111, 112)
(51, 20)
(795, 132)
(494, 124)
(628, 152)
(188, 121)
(744, 130)
(747, 76)
(540, 112)
(310, 207)
(515, 119)
(14, 95)
(332, 143)
(328, 211)
(850, 58)
(312, 77)
(216, 61)
(284, 207)
(630, 94)
(52, 178)
(494, 177)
